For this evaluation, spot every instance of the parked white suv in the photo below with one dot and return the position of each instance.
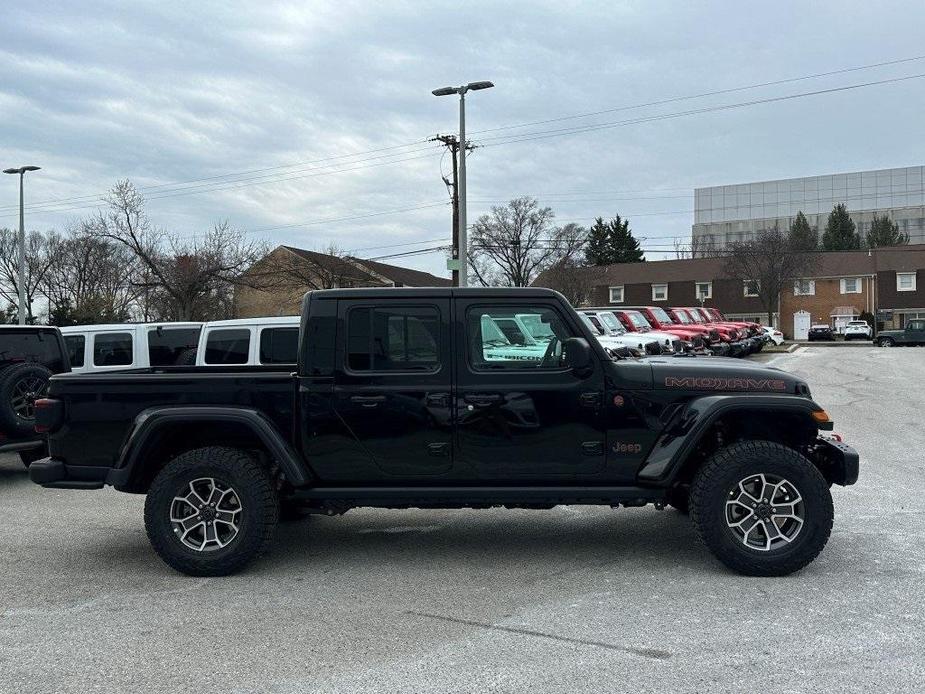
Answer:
(249, 341)
(95, 348)
(775, 335)
(858, 330)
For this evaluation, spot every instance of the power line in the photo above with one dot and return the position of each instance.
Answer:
(560, 132)
(716, 92)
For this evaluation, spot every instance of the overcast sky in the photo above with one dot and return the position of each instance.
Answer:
(169, 92)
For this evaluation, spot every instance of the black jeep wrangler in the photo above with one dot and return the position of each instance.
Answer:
(414, 398)
(29, 355)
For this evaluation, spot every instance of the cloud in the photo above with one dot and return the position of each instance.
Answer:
(169, 92)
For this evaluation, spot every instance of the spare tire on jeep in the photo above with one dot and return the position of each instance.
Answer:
(20, 387)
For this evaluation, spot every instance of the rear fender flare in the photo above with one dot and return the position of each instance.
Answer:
(152, 421)
(688, 426)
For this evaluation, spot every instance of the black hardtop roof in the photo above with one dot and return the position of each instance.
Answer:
(437, 293)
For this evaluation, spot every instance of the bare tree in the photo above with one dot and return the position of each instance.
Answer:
(768, 262)
(696, 247)
(511, 245)
(573, 279)
(327, 268)
(92, 280)
(38, 261)
(186, 279)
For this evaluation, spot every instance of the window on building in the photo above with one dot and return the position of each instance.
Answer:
(905, 281)
(659, 292)
(279, 345)
(704, 290)
(616, 295)
(112, 349)
(75, 349)
(804, 288)
(166, 346)
(229, 346)
(751, 287)
(851, 285)
(403, 338)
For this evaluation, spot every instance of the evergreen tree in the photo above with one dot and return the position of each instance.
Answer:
(840, 232)
(612, 242)
(885, 232)
(802, 236)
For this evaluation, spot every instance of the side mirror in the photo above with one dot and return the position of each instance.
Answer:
(576, 354)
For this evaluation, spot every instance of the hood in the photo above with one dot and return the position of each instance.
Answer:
(722, 375)
(702, 375)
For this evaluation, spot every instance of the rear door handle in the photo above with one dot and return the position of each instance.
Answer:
(483, 399)
(367, 400)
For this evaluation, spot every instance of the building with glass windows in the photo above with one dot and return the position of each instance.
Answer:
(723, 214)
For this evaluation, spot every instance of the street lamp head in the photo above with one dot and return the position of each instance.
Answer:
(31, 168)
(445, 91)
(475, 86)
(21, 170)
(16, 171)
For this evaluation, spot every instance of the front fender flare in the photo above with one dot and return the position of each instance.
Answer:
(679, 438)
(151, 421)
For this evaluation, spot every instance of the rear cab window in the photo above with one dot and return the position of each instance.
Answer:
(35, 345)
(76, 346)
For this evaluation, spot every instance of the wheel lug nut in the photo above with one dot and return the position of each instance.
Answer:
(754, 505)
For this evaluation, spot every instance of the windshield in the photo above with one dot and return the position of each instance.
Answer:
(491, 333)
(611, 322)
(661, 315)
(586, 319)
(683, 317)
(533, 322)
(637, 320)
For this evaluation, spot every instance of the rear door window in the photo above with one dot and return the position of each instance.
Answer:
(75, 349)
(228, 346)
(30, 345)
(112, 349)
(401, 338)
(166, 345)
(279, 345)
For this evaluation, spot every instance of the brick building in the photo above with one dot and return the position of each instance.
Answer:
(278, 281)
(888, 282)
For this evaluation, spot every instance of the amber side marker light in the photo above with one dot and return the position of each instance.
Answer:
(821, 416)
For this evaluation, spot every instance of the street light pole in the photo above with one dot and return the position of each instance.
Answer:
(23, 278)
(462, 228)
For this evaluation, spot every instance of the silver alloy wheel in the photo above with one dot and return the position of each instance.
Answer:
(207, 517)
(765, 512)
(25, 392)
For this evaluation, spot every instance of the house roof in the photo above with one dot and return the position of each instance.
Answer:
(369, 270)
(829, 264)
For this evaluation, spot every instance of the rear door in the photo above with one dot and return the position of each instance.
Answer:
(915, 332)
(393, 381)
(521, 412)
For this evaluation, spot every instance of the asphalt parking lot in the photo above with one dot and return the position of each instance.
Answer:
(579, 599)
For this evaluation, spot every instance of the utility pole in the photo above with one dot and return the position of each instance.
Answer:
(23, 278)
(452, 144)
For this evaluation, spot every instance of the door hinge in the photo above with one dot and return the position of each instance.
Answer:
(592, 447)
(590, 398)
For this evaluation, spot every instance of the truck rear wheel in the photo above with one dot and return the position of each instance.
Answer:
(761, 508)
(211, 511)
(20, 387)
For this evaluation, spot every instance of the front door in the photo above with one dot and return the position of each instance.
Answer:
(521, 412)
(392, 388)
(915, 331)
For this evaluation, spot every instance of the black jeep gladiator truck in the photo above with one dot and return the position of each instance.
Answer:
(413, 398)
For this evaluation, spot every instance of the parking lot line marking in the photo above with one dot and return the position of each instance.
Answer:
(653, 653)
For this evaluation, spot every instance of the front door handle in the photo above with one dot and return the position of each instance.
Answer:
(483, 399)
(367, 400)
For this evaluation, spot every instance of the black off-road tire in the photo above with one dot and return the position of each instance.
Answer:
(259, 504)
(35, 378)
(724, 470)
(30, 455)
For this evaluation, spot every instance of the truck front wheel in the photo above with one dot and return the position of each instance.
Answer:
(211, 511)
(761, 508)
